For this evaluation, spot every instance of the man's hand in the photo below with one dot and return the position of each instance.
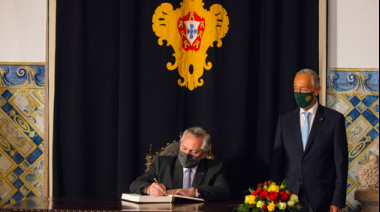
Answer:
(182, 192)
(172, 191)
(334, 208)
(156, 190)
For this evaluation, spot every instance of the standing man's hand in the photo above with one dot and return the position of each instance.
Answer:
(156, 190)
(334, 208)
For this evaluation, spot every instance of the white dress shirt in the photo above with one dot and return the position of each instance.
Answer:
(193, 170)
(312, 112)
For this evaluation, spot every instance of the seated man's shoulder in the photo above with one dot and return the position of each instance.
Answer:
(214, 164)
(164, 159)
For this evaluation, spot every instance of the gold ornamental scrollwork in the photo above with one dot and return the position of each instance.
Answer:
(190, 30)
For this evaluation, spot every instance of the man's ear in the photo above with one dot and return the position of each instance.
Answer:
(317, 90)
(204, 154)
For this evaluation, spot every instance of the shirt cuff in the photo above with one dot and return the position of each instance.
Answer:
(143, 190)
(198, 194)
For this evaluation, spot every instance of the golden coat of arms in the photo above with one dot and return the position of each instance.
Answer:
(190, 30)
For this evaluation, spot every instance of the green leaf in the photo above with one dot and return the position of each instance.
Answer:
(257, 198)
(256, 210)
(242, 208)
(285, 182)
(296, 208)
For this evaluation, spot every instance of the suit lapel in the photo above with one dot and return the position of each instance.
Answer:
(297, 129)
(178, 175)
(200, 174)
(317, 123)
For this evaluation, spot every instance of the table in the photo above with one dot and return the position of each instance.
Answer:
(66, 204)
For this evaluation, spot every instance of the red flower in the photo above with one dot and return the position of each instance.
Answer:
(265, 183)
(273, 196)
(284, 196)
(261, 185)
(264, 194)
(265, 208)
(258, 191)
(291, 192)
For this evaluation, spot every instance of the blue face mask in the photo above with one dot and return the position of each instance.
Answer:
(304, 99)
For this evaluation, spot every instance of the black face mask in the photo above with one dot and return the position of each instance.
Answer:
(187, 160)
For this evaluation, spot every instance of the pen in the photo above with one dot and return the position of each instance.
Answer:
(158, 184)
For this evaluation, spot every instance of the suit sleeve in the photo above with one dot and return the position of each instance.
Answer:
(341, 163)
(278, 155)
(145, 179)
(220, 190)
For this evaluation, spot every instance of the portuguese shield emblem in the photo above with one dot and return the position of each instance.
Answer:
(191, 30)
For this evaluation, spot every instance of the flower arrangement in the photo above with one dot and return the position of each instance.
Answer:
(270, 197)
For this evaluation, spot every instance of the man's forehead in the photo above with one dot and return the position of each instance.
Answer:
(303, 79)
(192, 142)
(189, 136)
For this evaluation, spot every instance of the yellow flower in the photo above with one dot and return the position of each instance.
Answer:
(251, 200)
(291, 203)
(271, 206)
(260, 204)
(282, 205)
(294, 198)
(274, 187)
(246, 199)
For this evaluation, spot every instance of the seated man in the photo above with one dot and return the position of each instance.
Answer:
(188, 174)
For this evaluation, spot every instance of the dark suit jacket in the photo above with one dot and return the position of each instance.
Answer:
(323, 167)
(210, 178)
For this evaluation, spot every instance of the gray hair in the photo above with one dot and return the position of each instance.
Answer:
(198, 132)
(316, 79)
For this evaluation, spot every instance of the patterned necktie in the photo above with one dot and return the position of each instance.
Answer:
(187, 183)
(305, 130)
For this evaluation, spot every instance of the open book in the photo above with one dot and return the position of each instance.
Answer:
(132, 206)
(163, 199)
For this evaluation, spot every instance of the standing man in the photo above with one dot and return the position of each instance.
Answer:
(188, 174)
(310, 149)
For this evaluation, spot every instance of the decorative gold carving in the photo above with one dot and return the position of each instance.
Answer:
(168, 24)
